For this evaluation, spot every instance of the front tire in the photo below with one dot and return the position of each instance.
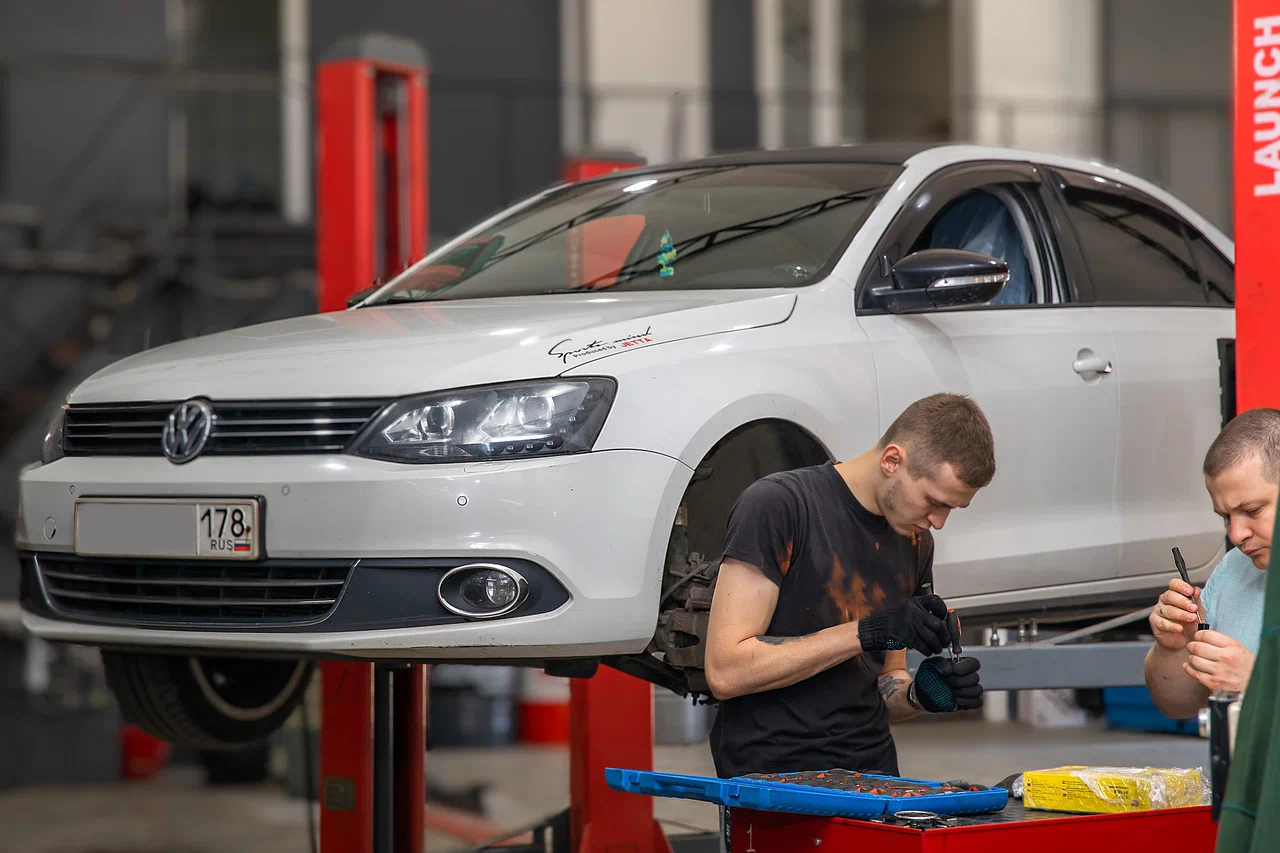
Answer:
(207, 703)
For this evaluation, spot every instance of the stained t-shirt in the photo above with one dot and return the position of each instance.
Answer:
(834, 561)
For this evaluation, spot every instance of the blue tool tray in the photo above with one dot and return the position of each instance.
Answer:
(759, 795)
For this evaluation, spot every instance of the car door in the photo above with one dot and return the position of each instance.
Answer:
(1165, 293)
(1033, 361)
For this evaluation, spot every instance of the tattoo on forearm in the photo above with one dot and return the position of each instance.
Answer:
(888, 685)
(776, 641)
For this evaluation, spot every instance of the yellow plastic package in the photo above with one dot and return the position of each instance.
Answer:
(1111, 790)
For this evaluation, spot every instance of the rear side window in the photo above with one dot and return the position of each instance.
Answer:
(1135, 252)
(1218, 273)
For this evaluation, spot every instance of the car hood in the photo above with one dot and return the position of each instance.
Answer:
(391, 350)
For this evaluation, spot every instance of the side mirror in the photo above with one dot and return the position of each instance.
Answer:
(943, 278)
(361, 295)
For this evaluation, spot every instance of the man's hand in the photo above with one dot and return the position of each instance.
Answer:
(1174, 618)
(1218, 662)
(936, 676)
(917, 623)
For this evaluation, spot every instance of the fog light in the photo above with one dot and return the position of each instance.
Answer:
(489, 590)
(482, 590)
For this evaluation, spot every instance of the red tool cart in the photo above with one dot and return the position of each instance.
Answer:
(1189, 830)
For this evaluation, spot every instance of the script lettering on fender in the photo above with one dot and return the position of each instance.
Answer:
(566, 349)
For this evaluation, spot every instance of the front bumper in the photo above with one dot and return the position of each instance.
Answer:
(597, 524)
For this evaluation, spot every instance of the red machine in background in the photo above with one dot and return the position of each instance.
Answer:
(371, 164)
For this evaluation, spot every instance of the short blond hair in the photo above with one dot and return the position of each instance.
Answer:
(945, 428)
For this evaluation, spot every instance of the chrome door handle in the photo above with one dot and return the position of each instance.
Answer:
(1091, 364)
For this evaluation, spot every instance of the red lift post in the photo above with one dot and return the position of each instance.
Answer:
(371, 164)
(371, 222)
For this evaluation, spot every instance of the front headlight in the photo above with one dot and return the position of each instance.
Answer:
(514, 421)
(51, 450)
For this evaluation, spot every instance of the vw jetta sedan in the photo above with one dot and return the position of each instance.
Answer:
(524, 448)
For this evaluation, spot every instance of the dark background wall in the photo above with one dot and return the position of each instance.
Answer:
(94, 145)
(75, 141)
(494, 93)
(735, 112)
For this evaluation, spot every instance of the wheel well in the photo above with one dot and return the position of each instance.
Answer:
(743, 456)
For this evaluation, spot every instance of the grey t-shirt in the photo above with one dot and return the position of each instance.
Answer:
(1233, 599)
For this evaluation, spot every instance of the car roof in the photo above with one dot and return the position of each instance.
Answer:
(931, 156)
(885, 153)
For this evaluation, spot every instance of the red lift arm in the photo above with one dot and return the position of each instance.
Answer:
(371, 186)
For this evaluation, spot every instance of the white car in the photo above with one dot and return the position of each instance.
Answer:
(524, 448)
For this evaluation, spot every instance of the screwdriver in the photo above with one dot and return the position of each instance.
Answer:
(953, 625)
(1186, 578)
(953, 630)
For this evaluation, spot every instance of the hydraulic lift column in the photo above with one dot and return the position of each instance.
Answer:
(371, 212)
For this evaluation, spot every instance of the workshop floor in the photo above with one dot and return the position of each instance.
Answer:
(178, 814)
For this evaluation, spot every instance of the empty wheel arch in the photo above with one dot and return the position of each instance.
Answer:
(675, 656)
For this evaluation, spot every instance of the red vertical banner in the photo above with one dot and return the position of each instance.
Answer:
(1257, 202)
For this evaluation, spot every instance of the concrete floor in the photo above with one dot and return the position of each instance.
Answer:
(178, 814)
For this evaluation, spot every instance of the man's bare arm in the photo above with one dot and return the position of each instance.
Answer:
(742, 659)
(1176, 694)
(1173, 624)
(893, 684)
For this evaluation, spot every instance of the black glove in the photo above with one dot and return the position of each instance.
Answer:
(917, 623)
(942, 686)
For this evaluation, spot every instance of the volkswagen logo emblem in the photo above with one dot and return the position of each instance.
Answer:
(187, 431)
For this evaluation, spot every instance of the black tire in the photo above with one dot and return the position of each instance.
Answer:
(207, 703)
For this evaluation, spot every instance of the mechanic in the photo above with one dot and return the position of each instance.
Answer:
(825, 579)
(1184, 666)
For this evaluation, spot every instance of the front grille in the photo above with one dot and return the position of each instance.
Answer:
(194, 592)
(239, 428)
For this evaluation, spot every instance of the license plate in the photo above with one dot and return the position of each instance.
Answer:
(213, 528)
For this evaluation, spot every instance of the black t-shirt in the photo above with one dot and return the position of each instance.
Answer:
(833, 561)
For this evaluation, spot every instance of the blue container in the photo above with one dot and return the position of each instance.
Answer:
(1132, 709)
(758, 795)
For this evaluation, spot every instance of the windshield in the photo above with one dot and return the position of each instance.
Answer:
(724, 226)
